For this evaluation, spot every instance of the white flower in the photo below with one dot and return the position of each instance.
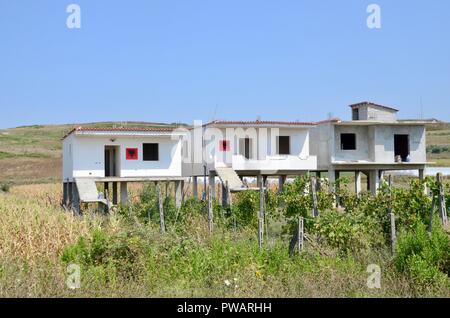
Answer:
(227, 282)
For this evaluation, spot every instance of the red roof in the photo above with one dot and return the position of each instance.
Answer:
(131, 129)
(270, 122)
(260, 122)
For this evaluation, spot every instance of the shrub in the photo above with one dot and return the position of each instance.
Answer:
(5, 187)
(424, 258)
(245, 208)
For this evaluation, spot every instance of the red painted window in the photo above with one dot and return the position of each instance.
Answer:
(224, 145)
(132, 154)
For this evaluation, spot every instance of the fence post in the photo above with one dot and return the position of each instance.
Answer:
(300, 234)
(161, 209)
(442, 207)
(393, 233)
(315, 209)
(261, 212)
(210, 208)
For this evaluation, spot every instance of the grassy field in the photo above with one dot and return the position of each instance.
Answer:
(125, 255)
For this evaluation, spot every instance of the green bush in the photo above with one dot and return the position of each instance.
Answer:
(5, 187)
(120, 251)
(424, 257)
(245, 209)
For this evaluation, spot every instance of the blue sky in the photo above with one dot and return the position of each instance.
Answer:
(176, 61)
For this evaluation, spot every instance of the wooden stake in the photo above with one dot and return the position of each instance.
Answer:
(315, 209)
(393, 233)
(161, 209)
(210, 208)
(300, 234)
(442, 207)
(261, 213)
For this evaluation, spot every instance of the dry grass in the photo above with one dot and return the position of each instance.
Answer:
(34, 231)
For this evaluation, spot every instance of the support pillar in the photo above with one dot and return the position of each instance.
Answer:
(212, 184)
(259, 180)
(65, 194)
(281, 181)
(75, 200)
(114, 193)
(374, 181)
(332, 178)
(194, 187)
(179, 185)
(123, 193)
(70, 193)
(358, 176)
(421, 174)
(224, 194)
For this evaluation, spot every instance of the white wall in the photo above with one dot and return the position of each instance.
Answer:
(362, 143)
(264, 145)
(376, 113)
(384, 140)
(68, 158)
(88, 156)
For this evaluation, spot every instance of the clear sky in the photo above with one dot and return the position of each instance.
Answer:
(176, 61)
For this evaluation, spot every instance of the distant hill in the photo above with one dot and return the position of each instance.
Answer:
(32, 154)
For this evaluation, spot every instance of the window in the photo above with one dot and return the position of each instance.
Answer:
(348, 141)
(132, 154)
(224, 145)
(355, 114)
(150, 152)
(284, 145)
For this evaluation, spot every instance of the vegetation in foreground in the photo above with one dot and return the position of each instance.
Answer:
(125, 254)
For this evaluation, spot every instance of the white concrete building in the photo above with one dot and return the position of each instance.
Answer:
(235, 149)
(374, 141)
(119, 155)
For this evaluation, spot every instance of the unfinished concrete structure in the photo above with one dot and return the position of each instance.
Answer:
(118, 156)
(232, 150)
(373, 142)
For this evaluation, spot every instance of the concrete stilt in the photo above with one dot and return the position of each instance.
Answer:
(179, 185)
(374, 181)
(70, 193)
(114, 193)
(259, 180)
(123, 193)
(332, 178)
(212, 184)
(75, 200)
(194, 187)
(224, 194)
(421, 174)
(65, 194)
(358, 188)
(281, 181)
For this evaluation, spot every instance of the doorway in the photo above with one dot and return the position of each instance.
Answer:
(246, 148)
(401, 147)
(111, 161)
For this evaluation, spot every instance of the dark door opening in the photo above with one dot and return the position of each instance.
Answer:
(111, 162)
(401, 147)
(245, 147)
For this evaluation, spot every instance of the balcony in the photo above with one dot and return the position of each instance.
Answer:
(275, 163)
